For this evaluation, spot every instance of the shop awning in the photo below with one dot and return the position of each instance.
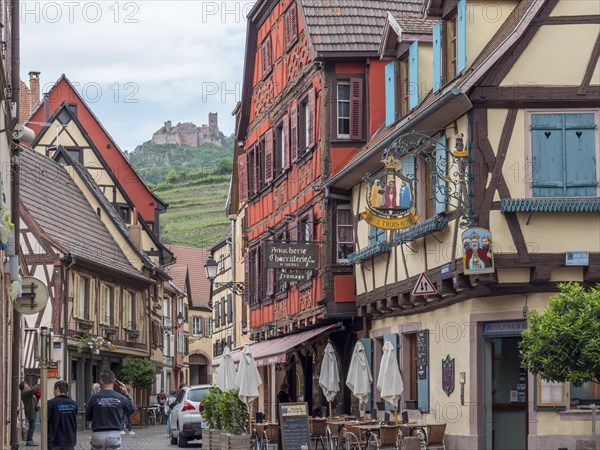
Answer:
(275, 350)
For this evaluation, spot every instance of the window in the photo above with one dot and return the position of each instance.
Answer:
(451, 48)
(107, 304)
(450, 45)
(130, 310)
(303, 124)
(255, 275)
(252, 171)
(376, 235)
(125, 213)
(76, 153)
(73, 108)
(83, 297)
(349, 109)
(282, 146)
(305, 229)
(197, 326)
(290, 30)
(550, 393)
(64, 117)
(345, 232)
(266, 55)
(585, 391)
(343, 102)
(564, 154)
(217, 313)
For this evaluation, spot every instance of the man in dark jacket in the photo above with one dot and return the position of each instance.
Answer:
(62, 419)
(105, 410)
(28, 398)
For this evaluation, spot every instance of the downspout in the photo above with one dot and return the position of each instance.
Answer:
(233, 280)
(13, 252)
(368, 98)
(72, 260)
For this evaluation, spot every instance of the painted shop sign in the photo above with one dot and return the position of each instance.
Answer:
(294, 276)
(390, 197)
(292, 256)
(422, 353)
(448, 375)
(478, 256)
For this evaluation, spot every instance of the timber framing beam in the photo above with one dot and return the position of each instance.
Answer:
(534, 96)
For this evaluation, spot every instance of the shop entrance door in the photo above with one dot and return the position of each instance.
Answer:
(506, 395)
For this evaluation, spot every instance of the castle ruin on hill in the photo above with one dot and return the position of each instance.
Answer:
(189, 134)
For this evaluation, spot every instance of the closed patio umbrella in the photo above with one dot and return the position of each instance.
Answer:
(248, 379)
(225, 379)
(359, 375)
(389, 381)
(329, 378)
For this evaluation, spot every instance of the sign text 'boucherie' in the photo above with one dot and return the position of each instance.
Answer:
(292, 256)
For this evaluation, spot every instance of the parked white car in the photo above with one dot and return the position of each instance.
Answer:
(186, 415)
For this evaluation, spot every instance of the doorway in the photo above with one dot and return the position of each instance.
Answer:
(506, 395)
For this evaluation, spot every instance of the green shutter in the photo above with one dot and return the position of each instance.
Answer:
(461, 62)
(413, 69)
(580, 155)
(547, 155)
(393, 338)
(390, 94)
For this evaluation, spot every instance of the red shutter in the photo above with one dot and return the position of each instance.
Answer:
(256, 169)
(294, 132)
(356, 108)
(269, 156)
(291, 25)
(248, 286)
(287, 28)
(243, 177)
(312, 98)
(286, 142)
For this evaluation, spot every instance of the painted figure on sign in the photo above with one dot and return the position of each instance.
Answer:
(475, 262)
(390, 195)
(376, 194)
(405, 196)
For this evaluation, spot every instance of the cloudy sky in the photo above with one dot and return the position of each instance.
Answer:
(140, 63)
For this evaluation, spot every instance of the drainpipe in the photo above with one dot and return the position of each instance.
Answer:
(368, 98)
(71, 260)
(233, 280)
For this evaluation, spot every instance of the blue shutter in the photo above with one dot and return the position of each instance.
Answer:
(461, 62)
(580, 155)
(547, 155)
(393, 338)
(423, 384)
(413, 69)
(441, 163)
(368, 345)
(390, 94)
(437, 56)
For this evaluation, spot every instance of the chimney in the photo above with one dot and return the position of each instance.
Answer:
(46, 107)
(135, 231)
(34, 85)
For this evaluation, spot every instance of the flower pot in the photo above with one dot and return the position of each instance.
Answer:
(211, 439)
(235, 442)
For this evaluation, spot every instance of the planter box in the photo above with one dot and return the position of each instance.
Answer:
(235, 442)
(211, 439)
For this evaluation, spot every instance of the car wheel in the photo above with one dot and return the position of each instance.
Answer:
(181, 441)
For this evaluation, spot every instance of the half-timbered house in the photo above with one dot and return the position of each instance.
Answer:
(95, 276)
(501, 158)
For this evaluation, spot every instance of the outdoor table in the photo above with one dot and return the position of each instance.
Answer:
(369, 428)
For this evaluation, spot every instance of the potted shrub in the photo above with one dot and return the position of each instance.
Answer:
(233, 415)
(211, 436)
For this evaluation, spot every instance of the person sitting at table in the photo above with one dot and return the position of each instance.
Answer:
(283, 396)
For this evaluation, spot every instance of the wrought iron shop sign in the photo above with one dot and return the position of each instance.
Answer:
(448, 375)
(292, 256)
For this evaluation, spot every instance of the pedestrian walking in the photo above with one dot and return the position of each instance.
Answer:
(105, 410)
(95, 388)
(127, 424)
(29, 402)
(62, 419)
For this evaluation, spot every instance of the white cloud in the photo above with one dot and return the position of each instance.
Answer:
(175, 53)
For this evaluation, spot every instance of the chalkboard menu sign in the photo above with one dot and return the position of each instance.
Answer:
(422, 353)
(293, 422)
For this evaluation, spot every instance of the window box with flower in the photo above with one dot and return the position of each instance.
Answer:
(94, 344)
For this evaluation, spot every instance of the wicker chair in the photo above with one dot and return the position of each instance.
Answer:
(411, 443)
(318, 432)
(388, 437)
(352, 441)
(435, 436)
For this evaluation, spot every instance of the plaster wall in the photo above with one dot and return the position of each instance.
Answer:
(575, 8)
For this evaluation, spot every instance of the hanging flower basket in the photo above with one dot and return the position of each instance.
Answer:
(94, 344)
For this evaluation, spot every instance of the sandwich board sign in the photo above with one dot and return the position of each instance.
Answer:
(424, 286)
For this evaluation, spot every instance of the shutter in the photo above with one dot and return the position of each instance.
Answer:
(287, 28)
(268, 177)
(580, 146)
(413, 71)
(218, 314)
(390, 93)
(268, 53)
(126, 309)
(311, 117)
(243, 177)
(393, 338)
(408, 168)
(76, 295)
(423, 384)
(116, 304)
(461, 60)
(292, 16)
(270, 281)
(437, 56)
(294, 232)
(137, 312)
(356, 108)
(230, 308)
(103, 304)
(441, 191)
(91, 313)
(547, 155)
(372, 235)
(285, 145)
(294, 132)
(368, 345)
(223, 312)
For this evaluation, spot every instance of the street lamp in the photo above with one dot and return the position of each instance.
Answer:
(211, 267)
(180, 318)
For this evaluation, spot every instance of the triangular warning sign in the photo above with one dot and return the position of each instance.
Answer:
(424, 286)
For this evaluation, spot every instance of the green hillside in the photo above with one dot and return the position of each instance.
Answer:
(196, 214)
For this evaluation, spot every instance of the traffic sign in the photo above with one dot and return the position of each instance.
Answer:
(424, 286)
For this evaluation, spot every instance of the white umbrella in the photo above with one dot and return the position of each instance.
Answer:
(329, 378)
(389, 381)
(248, 379)
(359, 374)
(226, 374)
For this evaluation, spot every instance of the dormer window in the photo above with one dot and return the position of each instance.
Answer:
(451, 54)
(450, 46)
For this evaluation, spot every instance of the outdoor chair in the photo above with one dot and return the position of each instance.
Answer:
(352, 441)
(388, 437)
(318, 432)
(333, 438)
(411, 443)
(435, 436)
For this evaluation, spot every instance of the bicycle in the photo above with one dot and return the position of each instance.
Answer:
(152, 413)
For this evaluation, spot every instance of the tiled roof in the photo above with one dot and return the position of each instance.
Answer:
(179, 273)
(194, 259)
(64, 214)
(414, 24)
(342, 26)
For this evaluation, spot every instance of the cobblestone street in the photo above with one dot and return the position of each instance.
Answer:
(150, 438)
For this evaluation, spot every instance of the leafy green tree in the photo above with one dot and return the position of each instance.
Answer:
(224, 166)
(562, 343)
(138, 372)
(172, 176)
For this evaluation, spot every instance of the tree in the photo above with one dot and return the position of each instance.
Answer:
(139, 372)
(563, 342)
